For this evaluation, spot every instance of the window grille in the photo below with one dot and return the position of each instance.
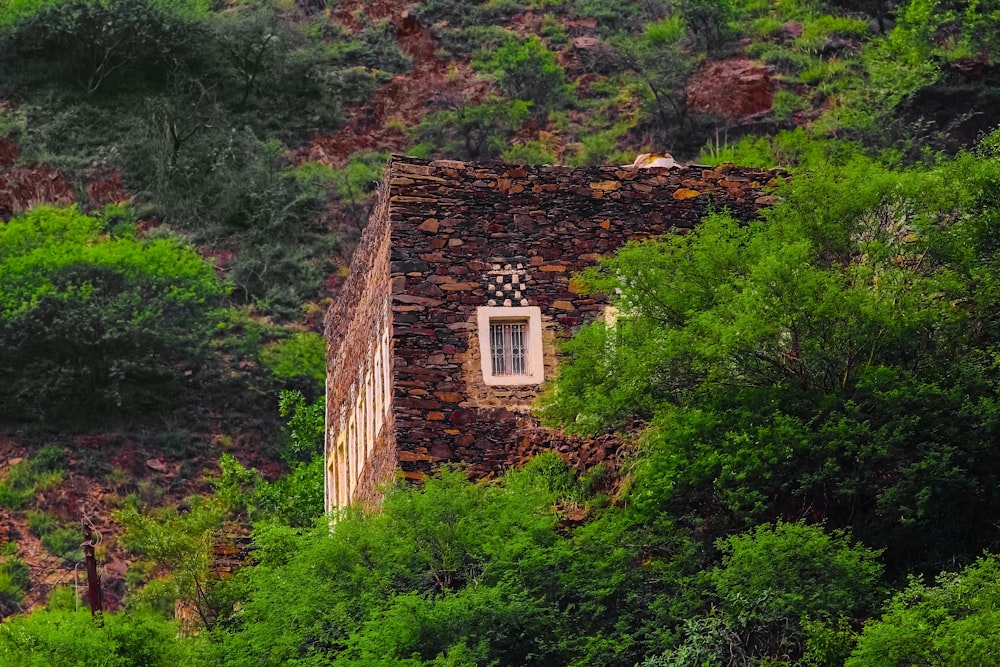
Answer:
(507, 344)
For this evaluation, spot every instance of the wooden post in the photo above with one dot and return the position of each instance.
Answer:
(93, 579)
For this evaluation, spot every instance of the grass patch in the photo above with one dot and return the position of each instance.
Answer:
(27, 478)
(59, 539)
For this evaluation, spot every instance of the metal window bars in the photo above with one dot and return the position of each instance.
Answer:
(508, 345)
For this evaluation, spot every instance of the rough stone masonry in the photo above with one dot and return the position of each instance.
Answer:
(448, 238)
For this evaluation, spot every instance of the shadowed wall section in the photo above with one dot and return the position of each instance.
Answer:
(360, 450)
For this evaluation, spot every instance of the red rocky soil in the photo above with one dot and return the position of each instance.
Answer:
(21, 188)
(155, 477)
(105, 187)
(26, 186)
(402, 102)
(735, 88)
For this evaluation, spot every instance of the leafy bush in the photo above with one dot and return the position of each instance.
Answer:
(14, 580)
(473, 132)
(59, 540)
(709, 21)
(305, 425)
(301, 354)
(181, 543)
(615, 16)
(294, 500)
(374, 47)
(457, 13)
(782, 573)
(526, 70)
(786, 104)
(95, 323)
(454, 569)
(40, 523)
(817, 32)
(72, 639)
(228, 188)
(65, 543)
(96, 45)
(737, 348)
(351, 184)
(953, 622)
(532, 152)
(465, 41)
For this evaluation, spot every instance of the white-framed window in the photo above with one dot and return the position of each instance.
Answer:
(510, 345)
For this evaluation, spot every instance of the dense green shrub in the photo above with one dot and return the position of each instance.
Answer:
(791, 570)
(526, 70)
(613, 16)
(352, 184)
(741, 346)
(98, 44)
(182, 544)
(301, 354)
(295, 499)
(473, 132)
(62, 540)
(14, 581)
(65, 543)
(709, 21)
(96, 324)
(775, 579)
(374, 47)
(306, 422)
(952, 622)
(446, 571)
(73, 639)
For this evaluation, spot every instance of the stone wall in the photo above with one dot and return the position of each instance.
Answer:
(360, 452)
(456, 228)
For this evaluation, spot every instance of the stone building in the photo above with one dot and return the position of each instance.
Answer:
(459, 291)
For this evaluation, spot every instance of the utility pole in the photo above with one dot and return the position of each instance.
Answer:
(93, 578)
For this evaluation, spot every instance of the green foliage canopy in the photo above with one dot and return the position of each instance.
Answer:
(73, 639)
(96, 321)
(953, 622)
(836, 356)
(526, 70)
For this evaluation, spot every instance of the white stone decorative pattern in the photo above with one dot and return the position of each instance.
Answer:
(506, 284)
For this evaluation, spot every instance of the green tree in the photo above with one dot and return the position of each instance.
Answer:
(836, 359)
(709, 21)
(297, 498)
(472, 131)
(660, 57)
(952, 622)
(454, 569)
(96, 44)
(96, 322)
(73, 639)
(526, 70)
(180, 545)
(775, 578)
